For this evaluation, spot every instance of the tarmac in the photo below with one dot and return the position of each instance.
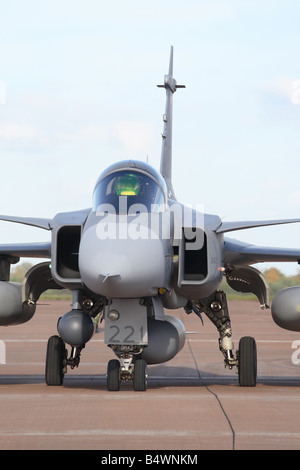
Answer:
(192, 402)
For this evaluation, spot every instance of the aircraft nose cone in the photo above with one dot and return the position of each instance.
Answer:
(121, 268)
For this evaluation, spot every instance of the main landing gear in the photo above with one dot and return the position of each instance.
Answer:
(57, 360)
(127, 370)
(216, 309)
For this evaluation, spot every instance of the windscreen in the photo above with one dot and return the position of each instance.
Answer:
(136, 187)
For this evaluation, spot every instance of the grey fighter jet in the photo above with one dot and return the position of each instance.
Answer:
(135, 253)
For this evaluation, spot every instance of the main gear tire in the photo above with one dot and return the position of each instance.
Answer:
(247, 362)
(54, 370)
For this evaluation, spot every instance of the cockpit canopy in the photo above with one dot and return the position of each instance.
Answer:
(130, 190)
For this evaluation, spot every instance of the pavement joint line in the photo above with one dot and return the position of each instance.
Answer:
(116, 432)
(147, 432)
(215, 395)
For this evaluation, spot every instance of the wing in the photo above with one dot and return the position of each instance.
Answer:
(26, 250)
(237, 252)
(234, 226)
(40, 249)
(46, 224)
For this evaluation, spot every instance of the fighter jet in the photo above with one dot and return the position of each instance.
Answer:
(136, 252)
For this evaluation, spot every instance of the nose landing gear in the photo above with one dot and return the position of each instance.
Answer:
(127, 369)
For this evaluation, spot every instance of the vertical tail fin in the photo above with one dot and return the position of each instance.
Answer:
(170, 86)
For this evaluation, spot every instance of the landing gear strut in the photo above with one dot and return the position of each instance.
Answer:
(127, 369)
(216, 309)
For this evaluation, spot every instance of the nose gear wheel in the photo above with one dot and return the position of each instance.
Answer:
(140, 376)
(113, 375)
(129, 368)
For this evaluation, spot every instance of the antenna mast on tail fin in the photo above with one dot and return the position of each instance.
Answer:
(171, 86)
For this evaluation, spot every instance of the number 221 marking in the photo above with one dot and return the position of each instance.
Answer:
(129, 338)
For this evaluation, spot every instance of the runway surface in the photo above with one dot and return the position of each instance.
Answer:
(191, 403)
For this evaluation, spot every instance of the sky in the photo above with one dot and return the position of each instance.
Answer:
(78, 93)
